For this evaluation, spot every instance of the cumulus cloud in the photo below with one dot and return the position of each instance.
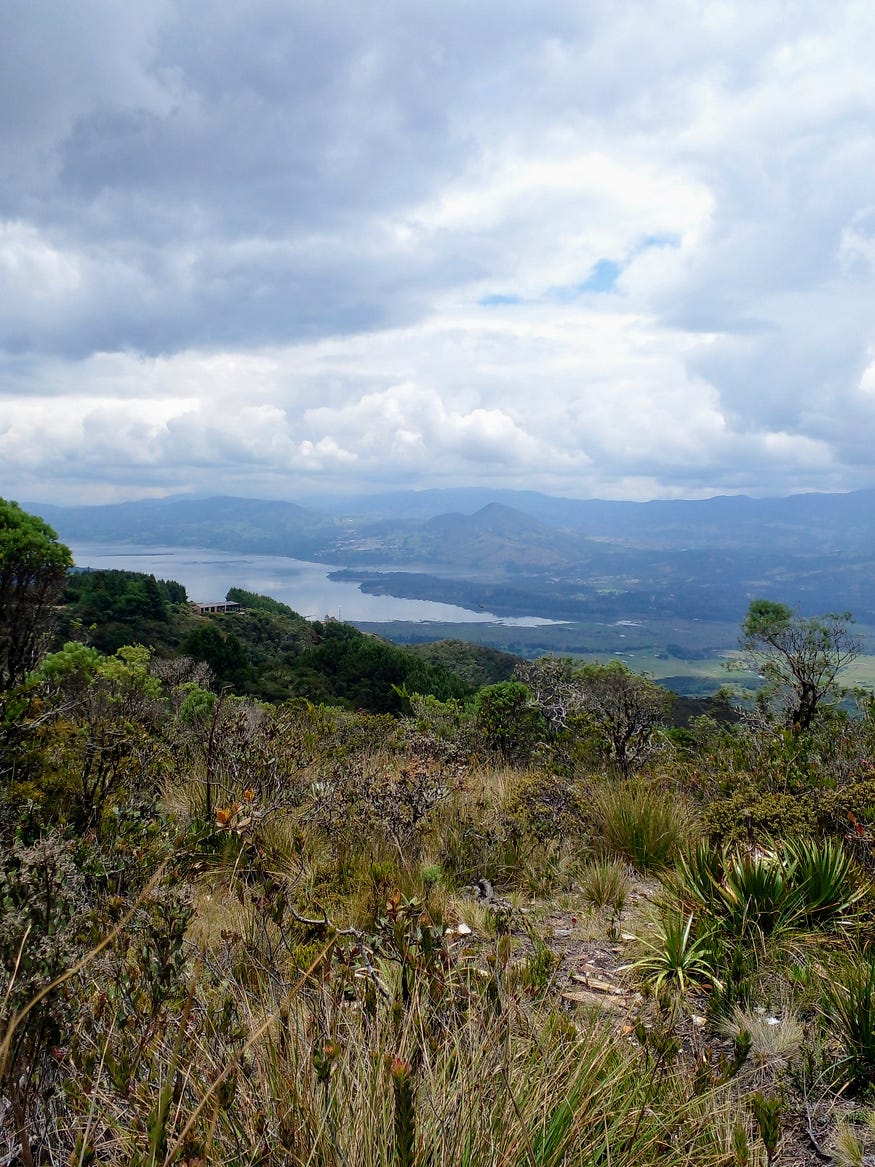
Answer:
(625, 250)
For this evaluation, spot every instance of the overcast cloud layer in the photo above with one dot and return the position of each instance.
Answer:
(599, 248)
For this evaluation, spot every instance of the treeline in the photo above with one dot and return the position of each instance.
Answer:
(117, 607)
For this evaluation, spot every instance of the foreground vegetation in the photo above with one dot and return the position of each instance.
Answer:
(526, 923)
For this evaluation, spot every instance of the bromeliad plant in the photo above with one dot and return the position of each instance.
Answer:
(796, 885)
(676, 959)
(723, 908)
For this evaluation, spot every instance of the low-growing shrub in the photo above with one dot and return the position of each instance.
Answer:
(546, 806)
(751, 815)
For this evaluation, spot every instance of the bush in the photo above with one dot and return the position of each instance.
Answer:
(545, 805)
(750, 816)
(507, 721)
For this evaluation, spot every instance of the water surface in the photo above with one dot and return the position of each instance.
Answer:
(304, 586)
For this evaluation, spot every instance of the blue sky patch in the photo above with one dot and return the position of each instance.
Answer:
(497, 300)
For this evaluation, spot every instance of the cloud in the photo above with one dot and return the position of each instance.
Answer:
(625, 250)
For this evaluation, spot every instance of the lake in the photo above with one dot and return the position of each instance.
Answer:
(304, 586)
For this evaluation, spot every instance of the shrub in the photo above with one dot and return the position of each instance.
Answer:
(43, 931)
(545, 805)
(825, 879)
(507, 720)
(751, 815)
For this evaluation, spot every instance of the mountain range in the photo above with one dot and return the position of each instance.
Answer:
(525, 553)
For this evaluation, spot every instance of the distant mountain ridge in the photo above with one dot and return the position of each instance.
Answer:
(538, 554)
(232, 523)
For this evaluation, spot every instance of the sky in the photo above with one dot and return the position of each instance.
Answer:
(599, 248)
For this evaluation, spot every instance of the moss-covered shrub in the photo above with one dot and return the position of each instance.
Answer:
(546, 806)
(751, 815)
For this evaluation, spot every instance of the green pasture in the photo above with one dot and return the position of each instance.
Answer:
(691, 654)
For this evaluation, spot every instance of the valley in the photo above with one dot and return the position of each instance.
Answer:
(662, 586)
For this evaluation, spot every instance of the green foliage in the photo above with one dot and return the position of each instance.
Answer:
(267, 650)
(824, 877)
(441, 729)
(849, 1003)
(231, 1015)
(676, 959)
(507, 722)
(625, 711)
(641, 822)
(43, 916)
(358, 671)
(401, 1074)
(800, 884)
(628, 710)
(756, 894)
(95, 716)
(253, 602)
(752, 814)
(799, 659)
(545, 806)
(33, 569)
(768, 1113)
(475, 664)
(123, 596)
(114, 608)
(222, 651)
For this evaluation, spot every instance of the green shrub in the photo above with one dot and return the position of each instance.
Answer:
(507, 721)
(840, 809)
(751, 815)
(545, 805)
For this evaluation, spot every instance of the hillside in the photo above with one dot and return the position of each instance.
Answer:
(266, 650)
(537, 917)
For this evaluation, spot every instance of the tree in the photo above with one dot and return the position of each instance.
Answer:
(798, 658)
(507, 720)
(625, 709)
(628, 710)
(97, 719)
(33, 570)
